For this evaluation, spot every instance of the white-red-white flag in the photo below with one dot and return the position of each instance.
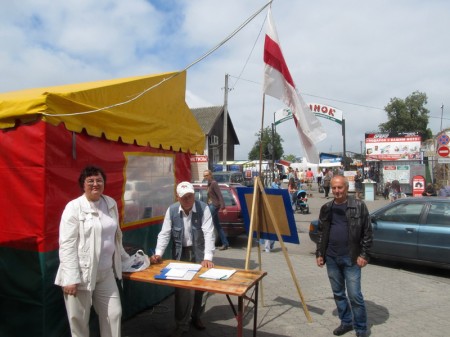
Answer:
(278, 83)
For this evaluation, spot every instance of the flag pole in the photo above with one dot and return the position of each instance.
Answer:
(261, 134)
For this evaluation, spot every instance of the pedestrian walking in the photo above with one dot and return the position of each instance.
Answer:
(216, 203)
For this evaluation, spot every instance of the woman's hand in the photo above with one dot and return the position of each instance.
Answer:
(70, 290)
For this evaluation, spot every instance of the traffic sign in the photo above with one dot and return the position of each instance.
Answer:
(443, 139)
(443, 151)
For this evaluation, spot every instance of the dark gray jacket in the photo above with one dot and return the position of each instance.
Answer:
(359, 229)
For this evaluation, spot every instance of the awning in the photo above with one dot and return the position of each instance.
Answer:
(158, 118)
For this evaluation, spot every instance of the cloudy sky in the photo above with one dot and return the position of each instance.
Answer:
(351, 54)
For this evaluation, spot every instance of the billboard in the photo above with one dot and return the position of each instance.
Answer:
(389, 147)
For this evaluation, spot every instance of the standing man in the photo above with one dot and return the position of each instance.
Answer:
(309, 178)
(188, 223)
(216, 203)
(327, 182)
(345, 239)
(358, 184)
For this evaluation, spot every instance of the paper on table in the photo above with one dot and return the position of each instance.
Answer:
(185, 266)
(165, 274)
(176, 273)
(218, 274)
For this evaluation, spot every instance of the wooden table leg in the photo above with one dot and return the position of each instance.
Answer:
(240, 316)
(255, 312)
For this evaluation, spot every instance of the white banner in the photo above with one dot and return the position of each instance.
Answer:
(282, 115)
(320, 110)
(326, 111)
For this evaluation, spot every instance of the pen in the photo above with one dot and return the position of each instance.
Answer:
(224, 277)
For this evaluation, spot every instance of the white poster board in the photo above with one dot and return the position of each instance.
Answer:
(350, 175)
(402, 173)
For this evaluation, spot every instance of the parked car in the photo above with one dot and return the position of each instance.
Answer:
(229, 177)
(232, 177)
(413, 230)
(232, 222)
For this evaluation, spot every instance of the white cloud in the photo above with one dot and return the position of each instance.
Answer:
(351, 52)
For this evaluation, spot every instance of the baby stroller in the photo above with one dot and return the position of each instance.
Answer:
(301, 202)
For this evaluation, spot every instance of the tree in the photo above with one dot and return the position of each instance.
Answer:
(409, 115)
(290, 158)
(267, 145)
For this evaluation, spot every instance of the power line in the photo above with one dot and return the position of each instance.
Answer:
(138, 95)
(331, 99)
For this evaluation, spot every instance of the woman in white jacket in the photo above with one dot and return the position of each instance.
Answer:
(91, 256)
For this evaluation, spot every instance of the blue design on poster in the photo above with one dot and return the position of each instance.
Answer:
(284, 194)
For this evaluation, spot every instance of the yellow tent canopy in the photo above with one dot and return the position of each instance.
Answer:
(159, 117)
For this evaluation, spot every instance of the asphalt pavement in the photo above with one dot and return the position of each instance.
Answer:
(403, 300)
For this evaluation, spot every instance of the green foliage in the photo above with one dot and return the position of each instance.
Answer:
(267, 145)
(409, 115)
(290, 158)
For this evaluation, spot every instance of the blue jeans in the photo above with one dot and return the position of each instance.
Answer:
(215, 218)
(269, 244)
(343, 273)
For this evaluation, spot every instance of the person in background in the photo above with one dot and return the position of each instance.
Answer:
(345, 240)
(291, 173)
(326, 182)
(387, 188)
(301, 178)
(444, 191)
(309, 178)
(292, 189)
(269, 244)
(395, 191)
(319, 179)
(276, 183)
(358, 184)
(216, 203)
(188, 225)
(91, 256)
(429, 191)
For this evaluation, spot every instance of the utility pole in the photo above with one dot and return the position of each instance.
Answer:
(225, 125)
(273, 152)
(343, 145)
(442, 114)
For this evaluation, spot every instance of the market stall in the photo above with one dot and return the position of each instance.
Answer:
(139, 130)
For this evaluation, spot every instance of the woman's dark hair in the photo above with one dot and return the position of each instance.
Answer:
(90, 171)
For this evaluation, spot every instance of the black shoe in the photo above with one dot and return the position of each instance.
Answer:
(361, 334)
(342, 329)
(198, 324)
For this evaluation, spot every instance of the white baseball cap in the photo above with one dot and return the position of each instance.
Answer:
(184, 187)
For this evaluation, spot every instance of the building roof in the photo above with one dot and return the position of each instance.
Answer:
(207, 117)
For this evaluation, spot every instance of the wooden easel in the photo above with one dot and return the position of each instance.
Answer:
(260, 198)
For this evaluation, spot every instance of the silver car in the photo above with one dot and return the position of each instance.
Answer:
(411, 230)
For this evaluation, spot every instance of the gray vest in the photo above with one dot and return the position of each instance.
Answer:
(198, 240)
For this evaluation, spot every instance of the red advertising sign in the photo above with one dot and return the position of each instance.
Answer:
(199, 159)
(418, 186)
(389, 147)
